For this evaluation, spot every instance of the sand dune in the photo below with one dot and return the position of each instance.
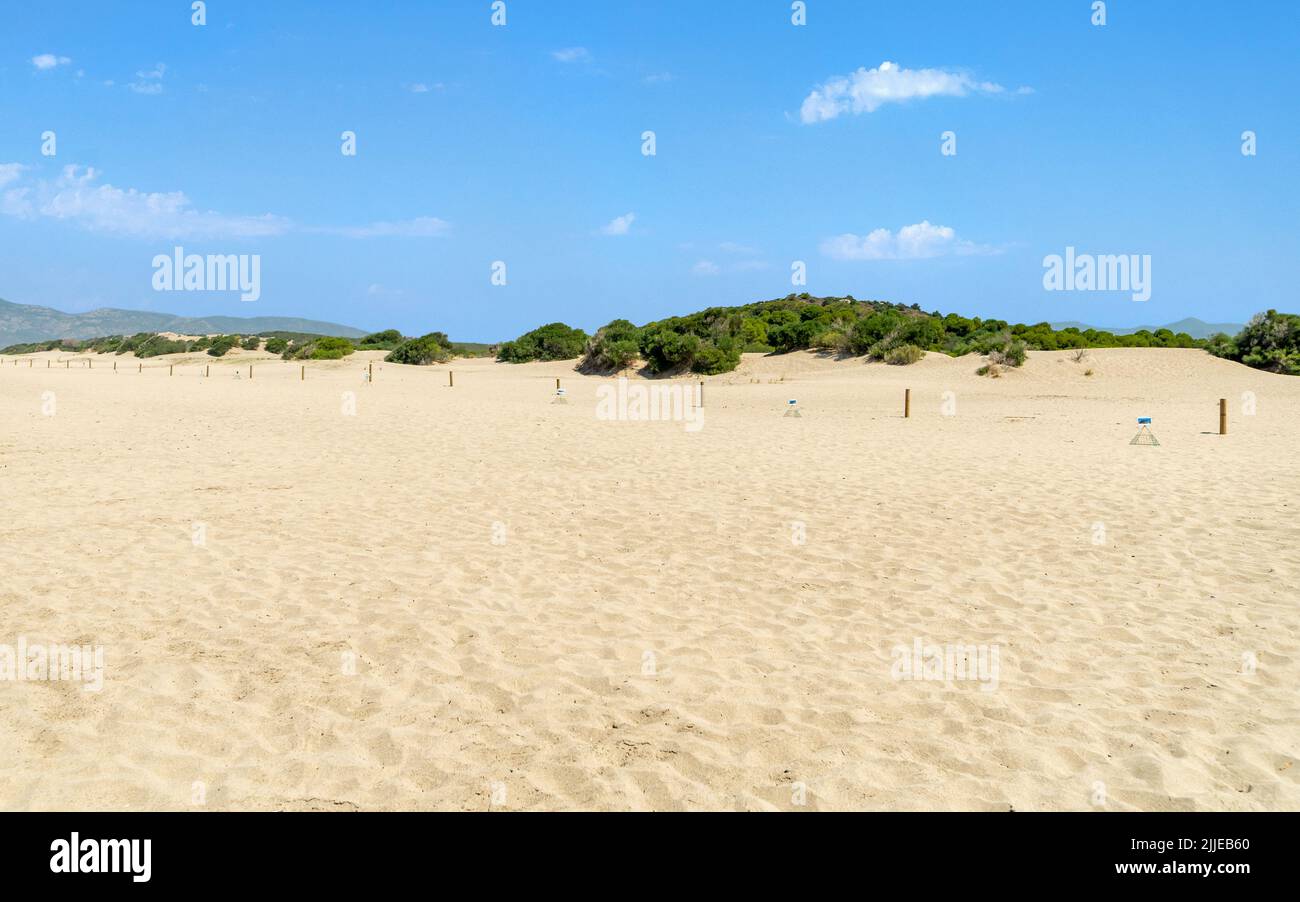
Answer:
(471, 597)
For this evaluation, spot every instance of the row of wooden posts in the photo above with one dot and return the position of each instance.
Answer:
(451, 383)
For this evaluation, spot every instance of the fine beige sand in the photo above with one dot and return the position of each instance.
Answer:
(472, 598)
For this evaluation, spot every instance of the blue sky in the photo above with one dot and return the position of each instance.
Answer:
(522, 143)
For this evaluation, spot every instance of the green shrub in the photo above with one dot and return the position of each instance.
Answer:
(904, 355)
(276, 345)
(381, 341)
(613, 347)
(710, 360)
(831, 340)
(221, 344)
(251, 343)
(329, 348)
(151, 344)
(874, 334)
(422, 351)
(554, 341)
(1270, 341)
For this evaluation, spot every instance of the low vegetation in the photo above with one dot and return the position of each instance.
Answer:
(432, 348)
(423, 351)
(1270, 341)
(711, 341)
(554, 341)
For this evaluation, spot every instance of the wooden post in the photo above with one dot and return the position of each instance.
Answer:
(557, 383)
(701, 392)
(140, 368)
(1223, 416)
(207, 371)
(115, 366)
(451, 379)
(370, 375)
(303, 375)
(250, 371)
(907, 403)
(171, 369)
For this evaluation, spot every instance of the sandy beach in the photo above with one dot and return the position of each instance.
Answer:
(334, 594)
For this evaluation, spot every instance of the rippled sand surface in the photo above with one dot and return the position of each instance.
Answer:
(471, 597)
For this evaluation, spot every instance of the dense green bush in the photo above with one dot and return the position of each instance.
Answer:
(221, 344)
(1270, 341)
(875, 333)
(329, 348)
(276, 345)
(423, 351)
(380, 341)
(1008, 352)
(613, 347)
(251, 343)
(161, 346)
(554, 341)
(904, 355)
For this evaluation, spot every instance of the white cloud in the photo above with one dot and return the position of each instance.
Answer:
(420, 227)
(866, 90)
(571, 55)
(10, 172)
(658, 78)
(914, 242)
(421, 88)
(709, 268)
(77, 197)
(731, 247)
(49, 61)
(619, 225)
(150, 80)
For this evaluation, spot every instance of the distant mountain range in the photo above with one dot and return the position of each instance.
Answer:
(1192, 326)
(21, 323)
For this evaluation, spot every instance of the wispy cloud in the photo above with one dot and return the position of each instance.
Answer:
(420, 87)
(710, 268)
(10, 172)
(571, 55)
(747, 261)
(45, 61)
(658, 78)
(420, 227)
(866, 90)
(77, 197)
(732, 247)
(150, 80)
(619, 225)
(914, 242)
